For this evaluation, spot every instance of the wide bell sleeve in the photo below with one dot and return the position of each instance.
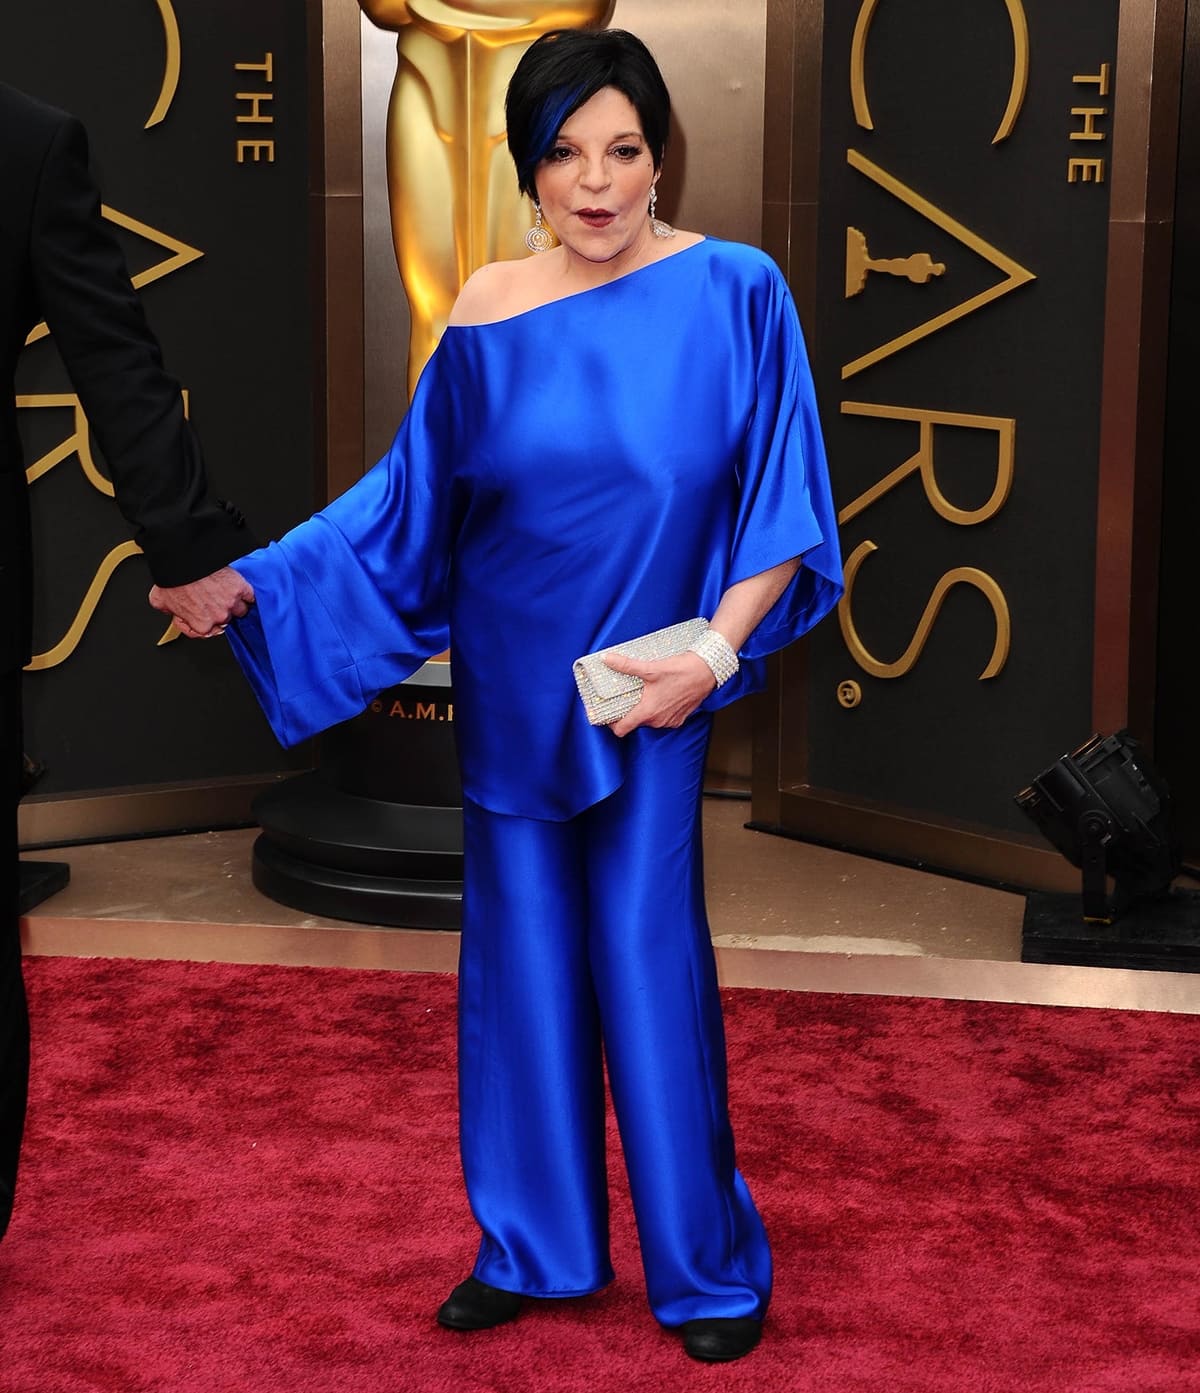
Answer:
(785, 506)
(784, 503)
(355, 599)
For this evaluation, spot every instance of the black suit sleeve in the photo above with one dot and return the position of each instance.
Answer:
(134, 407)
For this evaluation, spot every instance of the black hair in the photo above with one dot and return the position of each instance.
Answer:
(567, 67)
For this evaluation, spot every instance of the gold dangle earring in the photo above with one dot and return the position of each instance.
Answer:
(657, 226)
(539, 238)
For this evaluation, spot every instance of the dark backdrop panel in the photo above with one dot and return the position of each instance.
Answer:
(938, 76)
(236, 329)
(1177, 742)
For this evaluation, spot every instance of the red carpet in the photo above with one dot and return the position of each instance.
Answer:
(245, 1179)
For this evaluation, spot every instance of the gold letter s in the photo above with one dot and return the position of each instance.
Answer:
(961, 575)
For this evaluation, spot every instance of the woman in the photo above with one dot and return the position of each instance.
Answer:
(615, 435)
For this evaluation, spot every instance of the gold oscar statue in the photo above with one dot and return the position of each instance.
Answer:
(918, 267)
(451, 186)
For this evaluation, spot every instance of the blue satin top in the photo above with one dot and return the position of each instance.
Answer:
(576, 475)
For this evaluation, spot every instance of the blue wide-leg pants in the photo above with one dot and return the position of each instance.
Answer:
(586, 941)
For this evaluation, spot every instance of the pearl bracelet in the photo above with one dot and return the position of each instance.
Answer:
(715, 650)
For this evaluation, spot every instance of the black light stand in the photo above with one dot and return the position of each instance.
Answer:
(1109, 812)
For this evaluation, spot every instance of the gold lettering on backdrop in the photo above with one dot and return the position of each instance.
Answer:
(454, 201)
(1020, 77)
(170, 80)
(257, 115)
(918, 267)
(858, 64)
(849, 694)
(419, 711)
(1098, 80)
(1089, 114)
(923, 460)
(256, 149)
(266, 67)
(1085, 171)
(1015, 274)
(63, 649)
(78, 443)
(1017, 89)
(960, 575)
(181, 255)
(1005, 428)
(1089, 169)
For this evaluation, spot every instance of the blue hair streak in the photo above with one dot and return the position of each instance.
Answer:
(555, 110)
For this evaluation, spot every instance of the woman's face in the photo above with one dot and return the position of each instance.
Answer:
(594, 185)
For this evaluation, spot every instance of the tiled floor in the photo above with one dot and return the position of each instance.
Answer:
(783, 914)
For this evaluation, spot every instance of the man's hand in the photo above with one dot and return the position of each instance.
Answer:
(674, 688)
(202, 608)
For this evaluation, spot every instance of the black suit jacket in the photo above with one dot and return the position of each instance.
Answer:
(59, 262)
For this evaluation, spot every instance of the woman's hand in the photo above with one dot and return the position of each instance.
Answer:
(674, 688)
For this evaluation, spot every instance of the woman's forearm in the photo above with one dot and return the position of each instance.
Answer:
(744, 605)
(675, 687)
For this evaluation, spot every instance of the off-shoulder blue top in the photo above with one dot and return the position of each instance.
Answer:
(576, 475)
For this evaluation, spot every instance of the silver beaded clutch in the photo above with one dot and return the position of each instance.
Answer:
(609, 695)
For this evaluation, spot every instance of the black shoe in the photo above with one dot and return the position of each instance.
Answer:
(473, 1305)
(719, 1339)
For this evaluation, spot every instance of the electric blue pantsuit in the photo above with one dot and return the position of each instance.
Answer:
(576, 931)
(585, 472)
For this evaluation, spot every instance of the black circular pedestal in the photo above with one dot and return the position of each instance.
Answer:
(374, 834)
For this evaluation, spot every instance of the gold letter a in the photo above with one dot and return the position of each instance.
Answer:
(1015, 273)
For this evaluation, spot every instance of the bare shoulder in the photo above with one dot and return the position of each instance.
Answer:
(491, 293)
(680, 240)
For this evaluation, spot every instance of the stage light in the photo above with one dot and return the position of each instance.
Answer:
(1109, 812)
